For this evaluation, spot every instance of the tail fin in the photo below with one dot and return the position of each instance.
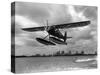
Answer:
(65, 36)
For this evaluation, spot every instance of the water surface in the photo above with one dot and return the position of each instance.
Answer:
(60, 63)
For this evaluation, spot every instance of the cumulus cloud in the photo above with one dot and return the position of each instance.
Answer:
(23, 37)
(25, 22)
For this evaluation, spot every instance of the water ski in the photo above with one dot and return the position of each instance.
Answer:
(46, 42)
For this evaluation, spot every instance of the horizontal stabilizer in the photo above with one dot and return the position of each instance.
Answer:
(69, 37)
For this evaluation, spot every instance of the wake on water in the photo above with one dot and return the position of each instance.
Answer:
(85, 59)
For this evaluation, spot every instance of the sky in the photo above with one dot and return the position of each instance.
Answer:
(29, 15)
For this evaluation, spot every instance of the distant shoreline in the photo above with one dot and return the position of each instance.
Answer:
(53, 56)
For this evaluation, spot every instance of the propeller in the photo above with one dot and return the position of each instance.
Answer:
(46, 26)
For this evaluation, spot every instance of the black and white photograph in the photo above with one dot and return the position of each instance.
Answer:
(48, 37)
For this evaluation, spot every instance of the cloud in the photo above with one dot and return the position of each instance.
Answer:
(19, 41)
(25, 22)
(79, 13)
(32, 10)
(24, 37)
(76, 16)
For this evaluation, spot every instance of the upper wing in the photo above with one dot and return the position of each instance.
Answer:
(34, 29)
(60, 26)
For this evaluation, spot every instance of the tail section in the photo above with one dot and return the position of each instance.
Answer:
(65, 37)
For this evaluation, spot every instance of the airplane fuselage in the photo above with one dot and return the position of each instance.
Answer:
(55, 32)
(58, 41)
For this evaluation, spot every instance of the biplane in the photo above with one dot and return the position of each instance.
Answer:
(54, 34)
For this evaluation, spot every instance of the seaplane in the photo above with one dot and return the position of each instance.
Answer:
(54, 34)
